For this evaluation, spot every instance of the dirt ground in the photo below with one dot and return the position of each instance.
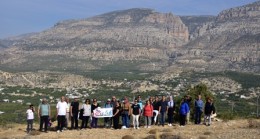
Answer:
(235, 129)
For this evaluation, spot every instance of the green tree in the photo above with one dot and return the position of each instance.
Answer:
(200, 89)
(193, 92)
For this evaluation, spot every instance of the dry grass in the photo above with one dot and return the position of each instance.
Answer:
(153, 131)
(151, 137)
(234, 129)
(253, 123)
(168, 130)
(169, 136)
(208, 133)
(128, 137)
(35, 133)
(203, 137)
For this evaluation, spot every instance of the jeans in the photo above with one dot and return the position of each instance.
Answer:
(147, 121)
(198, 116)
(29, 125)
(125, 120)
(45, 120)
(135, 120)
(61, 122)
(107, 122)
(162, 118)
(94, 122)
(207, 117)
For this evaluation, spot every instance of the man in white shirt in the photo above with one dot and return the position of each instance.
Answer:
(61, 113)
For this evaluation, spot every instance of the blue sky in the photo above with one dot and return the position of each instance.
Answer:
(26, 16)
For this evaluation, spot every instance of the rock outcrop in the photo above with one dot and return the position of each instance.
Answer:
(231, 42)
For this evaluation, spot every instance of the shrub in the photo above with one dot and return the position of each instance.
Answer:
(226, 116)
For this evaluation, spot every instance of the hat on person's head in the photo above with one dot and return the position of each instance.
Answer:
(108, 99)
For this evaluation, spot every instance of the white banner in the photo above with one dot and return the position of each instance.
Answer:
(103, 112)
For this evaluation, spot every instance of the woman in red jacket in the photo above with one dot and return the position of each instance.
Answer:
(148, 113)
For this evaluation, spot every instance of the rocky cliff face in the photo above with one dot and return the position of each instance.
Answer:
(229, 42)
(238, 13)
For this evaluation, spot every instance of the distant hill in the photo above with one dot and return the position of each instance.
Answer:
(141, 40)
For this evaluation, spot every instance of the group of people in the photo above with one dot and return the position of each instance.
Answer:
(153, 111)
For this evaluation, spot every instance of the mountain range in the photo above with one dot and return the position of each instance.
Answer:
(143, 38)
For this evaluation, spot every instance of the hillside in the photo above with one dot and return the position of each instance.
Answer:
(230, 42)
(140, 40)
(141, 35)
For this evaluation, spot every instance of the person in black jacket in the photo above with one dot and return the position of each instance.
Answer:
(74, 112)
(94, 121)
(208, 111)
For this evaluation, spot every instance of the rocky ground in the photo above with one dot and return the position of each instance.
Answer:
(235, 129)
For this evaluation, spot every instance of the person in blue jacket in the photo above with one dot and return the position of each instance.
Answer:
(199, 104)
(184, 109)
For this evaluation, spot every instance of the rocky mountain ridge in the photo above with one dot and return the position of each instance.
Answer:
(134, 34)
(231, 41)
(155, 40)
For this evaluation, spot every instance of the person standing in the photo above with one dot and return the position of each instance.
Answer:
(188, 100)
(155, 110)
(61, 114)
(44, 112)
(148, 113)
(86, 115)
(135, 111)
(208, 111)
(171, 109)
(68, 117)
(30, 118)
(74, 113)
(116, 115)
(163, 108)
(125, 113)
(107, 120)
(198, 109)
(113, 101)
(93, 107)
(184, 109)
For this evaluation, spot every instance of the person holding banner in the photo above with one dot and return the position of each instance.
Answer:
(94, 119)
(107, 120)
